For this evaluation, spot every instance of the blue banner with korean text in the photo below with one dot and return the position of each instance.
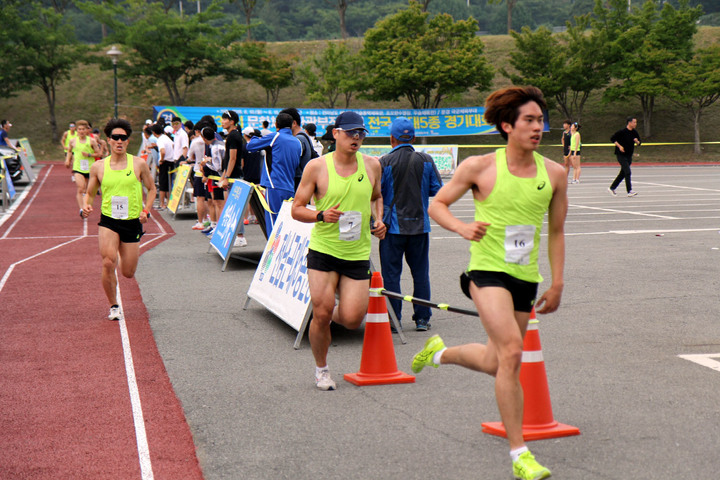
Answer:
(428, 123)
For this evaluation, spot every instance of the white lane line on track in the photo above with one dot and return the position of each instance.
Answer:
(12, 267)
(19, 201)
(138, 418)
(677, 186)
(704, 359)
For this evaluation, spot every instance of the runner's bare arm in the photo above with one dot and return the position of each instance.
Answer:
(96, 147)
(92, 188)
(379, 229)
(69, 154)
(550, 300)
(304, 193)
(147, 181)
(463, 180)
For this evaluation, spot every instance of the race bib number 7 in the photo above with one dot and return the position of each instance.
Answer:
(350, 226)
(519, 243)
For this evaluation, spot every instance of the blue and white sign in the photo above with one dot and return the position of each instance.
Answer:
(10, 186)
(280, 282)
(230, 218)
(428, 122)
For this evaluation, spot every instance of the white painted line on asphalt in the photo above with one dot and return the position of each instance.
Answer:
(704, 359)
(677, 186)
(628, 212)
(612, 232)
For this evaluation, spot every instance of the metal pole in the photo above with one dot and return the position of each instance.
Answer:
(116, 91)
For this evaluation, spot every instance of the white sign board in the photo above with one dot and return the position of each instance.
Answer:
(280, 283)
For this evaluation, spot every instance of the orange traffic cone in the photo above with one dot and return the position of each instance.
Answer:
(538, 422)
(378, 365)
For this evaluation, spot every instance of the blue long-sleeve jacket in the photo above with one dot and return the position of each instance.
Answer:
(281, 161)
(406, 195)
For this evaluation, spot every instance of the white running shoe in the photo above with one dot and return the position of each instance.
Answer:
(631, 193)
(612, 192)
(240, 242)
(324, 382)
(198, 226)
(115, 314)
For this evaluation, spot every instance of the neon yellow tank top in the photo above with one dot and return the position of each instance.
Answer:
(70, 136)
(515, 210)
(348, 239)
(121, 191)
(82, 162)
(575, 143)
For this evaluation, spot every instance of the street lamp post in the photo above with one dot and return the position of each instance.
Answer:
(114, 53)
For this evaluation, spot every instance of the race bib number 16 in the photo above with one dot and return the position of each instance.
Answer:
(519, 242)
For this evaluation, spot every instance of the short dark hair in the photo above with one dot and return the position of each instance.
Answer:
(503, 106)
(117, 123)
(208, 133)
(630, 118)
(283, 120)
(293, 112)
(3, 122)
(567, 121)
(265, 123)
(148, 129)
(157, 129)
(176, 119)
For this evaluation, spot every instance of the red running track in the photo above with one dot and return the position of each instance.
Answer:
(81, 396)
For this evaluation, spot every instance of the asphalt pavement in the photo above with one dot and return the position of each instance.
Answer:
(641, 288)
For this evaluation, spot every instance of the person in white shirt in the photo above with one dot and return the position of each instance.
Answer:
(166, 163)
(196, 153)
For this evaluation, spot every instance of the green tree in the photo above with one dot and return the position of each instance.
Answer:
(565, 67)
(330, 75)
(424, 60)
(267, 70)
(510, 6)
(37, 49)
(248, 6)
(176, 51)
(655, 40)
(695, 85)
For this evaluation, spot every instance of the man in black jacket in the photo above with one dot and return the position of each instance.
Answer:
(625, 141)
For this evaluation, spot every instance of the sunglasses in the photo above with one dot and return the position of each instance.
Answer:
(119, 136)
(354, 134)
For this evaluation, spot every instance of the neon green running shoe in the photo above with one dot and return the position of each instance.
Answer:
(425, 356)
(527, 468)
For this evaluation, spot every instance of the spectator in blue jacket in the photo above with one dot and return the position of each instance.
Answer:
(282, 157)
(409, 179)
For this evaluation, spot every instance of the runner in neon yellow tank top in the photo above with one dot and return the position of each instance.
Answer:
(512, 189)
(80, 156)
(122, 177)
(346, 189)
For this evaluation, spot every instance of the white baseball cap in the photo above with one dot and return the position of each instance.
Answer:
(249, 131)
(168, 129)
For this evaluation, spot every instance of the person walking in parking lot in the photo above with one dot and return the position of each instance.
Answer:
(625, 141)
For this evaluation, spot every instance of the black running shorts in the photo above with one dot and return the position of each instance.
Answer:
(129, 231)
(523, 293)
(354, 269)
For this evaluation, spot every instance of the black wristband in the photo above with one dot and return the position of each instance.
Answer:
(320, 217)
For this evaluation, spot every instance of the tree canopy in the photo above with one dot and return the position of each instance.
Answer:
(423, 59)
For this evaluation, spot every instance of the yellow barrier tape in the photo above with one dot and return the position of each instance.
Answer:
(443, 306)
(260, 190)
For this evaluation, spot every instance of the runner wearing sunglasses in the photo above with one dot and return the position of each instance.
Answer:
(121, 177)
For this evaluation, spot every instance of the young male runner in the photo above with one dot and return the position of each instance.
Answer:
(346, 187)
(122, 177)
(512, 189)
(80, 156)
